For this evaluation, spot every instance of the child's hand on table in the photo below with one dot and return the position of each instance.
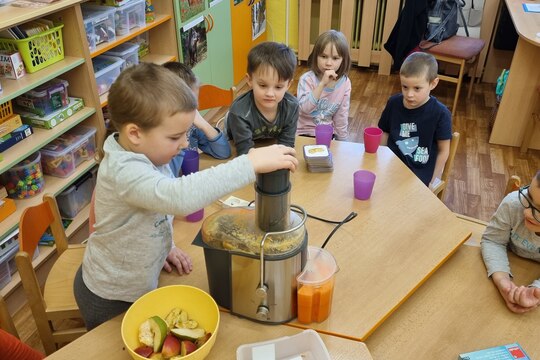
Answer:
(518, 299)
(179, 260)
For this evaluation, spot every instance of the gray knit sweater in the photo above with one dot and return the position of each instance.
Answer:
(506, 229)
(133, 236)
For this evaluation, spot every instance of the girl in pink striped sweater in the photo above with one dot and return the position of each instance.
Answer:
(324, 92)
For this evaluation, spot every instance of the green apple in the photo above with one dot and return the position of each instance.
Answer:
(152, 332)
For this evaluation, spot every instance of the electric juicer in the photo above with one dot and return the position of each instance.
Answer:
(254, 255)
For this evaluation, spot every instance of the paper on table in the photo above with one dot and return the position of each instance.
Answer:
(531, 7)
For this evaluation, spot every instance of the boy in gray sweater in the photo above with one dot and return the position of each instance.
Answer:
(136, 193)
(515, 226)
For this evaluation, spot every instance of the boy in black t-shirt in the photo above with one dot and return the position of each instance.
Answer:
(416, 126)
(267, 110)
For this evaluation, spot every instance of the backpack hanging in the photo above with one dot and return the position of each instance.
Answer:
(442, 20)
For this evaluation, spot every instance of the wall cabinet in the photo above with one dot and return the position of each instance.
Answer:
(210, 53)
(77, 69)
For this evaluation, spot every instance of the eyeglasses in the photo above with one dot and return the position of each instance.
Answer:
(524, 200)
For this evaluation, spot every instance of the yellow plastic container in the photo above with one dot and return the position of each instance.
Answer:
(200, 306)
(38, 51)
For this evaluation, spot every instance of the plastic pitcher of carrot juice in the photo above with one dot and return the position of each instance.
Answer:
(316, 286)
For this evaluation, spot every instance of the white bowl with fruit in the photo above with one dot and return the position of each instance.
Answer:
(172, 322)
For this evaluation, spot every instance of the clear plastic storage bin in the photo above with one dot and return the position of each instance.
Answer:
(99, 25)
(61, 156)
(45, 98)
(72, 200)
(106, 69)
(129, 16)
(127, 51)
(25, 179)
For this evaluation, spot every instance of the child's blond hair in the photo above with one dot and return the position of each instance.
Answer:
(420, 64)
(147, 93)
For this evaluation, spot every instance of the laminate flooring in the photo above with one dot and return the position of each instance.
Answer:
(481, 170)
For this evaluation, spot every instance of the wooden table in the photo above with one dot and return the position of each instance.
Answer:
(105, 341)
(520, 95)
(458, 310)
(399, 238)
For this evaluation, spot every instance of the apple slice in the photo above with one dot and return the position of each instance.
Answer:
(171, 347)
(200, 341)
(187, 347)
(152, 332)
(188, 334)
(145, 351)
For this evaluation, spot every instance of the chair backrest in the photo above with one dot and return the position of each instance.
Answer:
(513, 184)
(33, 223)
(6, 322)
(454, 142)
(211, 96)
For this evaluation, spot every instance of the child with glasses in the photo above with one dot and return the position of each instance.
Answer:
(515, 226)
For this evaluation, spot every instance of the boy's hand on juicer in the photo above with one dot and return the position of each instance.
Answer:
(179, 260)
(270, 158)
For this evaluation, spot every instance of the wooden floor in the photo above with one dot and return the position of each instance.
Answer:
(480, 172)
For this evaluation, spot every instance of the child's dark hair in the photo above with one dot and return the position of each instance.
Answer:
(184, 72)
(146, 93)
(337, 39)
(419, 64)
(275, 55)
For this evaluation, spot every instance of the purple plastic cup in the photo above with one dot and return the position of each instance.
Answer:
(323, 134)
(363, 184)
(196, 216)
(190, 164)
(372, 139)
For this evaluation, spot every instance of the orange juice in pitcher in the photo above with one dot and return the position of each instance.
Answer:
(316, 286)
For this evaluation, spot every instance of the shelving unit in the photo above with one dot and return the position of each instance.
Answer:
(164, 47)
(77, 69)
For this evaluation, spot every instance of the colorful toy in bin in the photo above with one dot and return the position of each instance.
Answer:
(25, 179)
(62, 155)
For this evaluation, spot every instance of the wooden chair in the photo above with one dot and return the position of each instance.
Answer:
(57, 301)
(6, 322)
(211, 96)
(440, 189)
(460, 50)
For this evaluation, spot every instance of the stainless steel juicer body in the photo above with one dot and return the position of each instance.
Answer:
(254, 256)
(264, 289)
